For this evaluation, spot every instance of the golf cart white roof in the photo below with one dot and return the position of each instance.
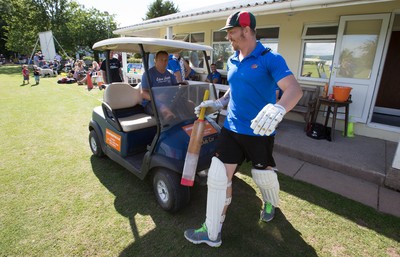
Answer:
(150, 45)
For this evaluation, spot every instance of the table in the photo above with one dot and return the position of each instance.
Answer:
(335, 105)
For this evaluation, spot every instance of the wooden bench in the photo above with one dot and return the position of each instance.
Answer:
(306, 105)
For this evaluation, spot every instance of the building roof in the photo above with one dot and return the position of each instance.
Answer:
(223, 10)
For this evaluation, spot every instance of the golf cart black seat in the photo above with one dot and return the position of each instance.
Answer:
(123, 110)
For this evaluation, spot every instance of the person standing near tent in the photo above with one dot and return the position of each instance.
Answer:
(249, 129)
(41, 59)
(115, 70)
(36, 59)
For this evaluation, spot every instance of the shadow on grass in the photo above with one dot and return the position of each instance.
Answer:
(360, 214)
(243, 234)
(11, 70)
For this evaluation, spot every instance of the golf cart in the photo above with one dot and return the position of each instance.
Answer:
(152, 146)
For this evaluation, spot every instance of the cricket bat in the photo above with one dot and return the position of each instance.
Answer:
(192, 155)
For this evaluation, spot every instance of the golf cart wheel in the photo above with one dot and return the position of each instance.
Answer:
(94, 144)
(170, 194)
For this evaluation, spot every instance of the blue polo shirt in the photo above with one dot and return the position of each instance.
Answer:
(173, 64)
(252, 83)
(215, 75)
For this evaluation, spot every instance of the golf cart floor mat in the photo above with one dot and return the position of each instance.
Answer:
(136, 159)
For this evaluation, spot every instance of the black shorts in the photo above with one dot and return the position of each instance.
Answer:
(235, 148)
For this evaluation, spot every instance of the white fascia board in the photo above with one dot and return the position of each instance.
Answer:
(221, 11)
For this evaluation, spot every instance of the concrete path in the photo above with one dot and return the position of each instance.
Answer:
(355, 168)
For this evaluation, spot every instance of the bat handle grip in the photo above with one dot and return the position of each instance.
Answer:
(203, 110)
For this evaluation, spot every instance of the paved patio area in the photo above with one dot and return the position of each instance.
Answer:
(355, 168)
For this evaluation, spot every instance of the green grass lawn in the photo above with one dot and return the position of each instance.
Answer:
(58, 200)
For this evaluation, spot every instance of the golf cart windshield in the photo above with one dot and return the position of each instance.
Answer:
(175, 104)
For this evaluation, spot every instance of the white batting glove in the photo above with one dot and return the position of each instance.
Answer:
(267, 119)
(211, 105)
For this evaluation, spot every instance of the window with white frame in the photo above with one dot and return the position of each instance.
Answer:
(195, 58)
(318, 46)
(190, 37)
(269, 37)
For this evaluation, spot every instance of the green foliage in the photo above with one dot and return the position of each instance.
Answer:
(73, 26)
(87, 58)
(21, 28)
(160, 8)
(132, 59)
(5, 6)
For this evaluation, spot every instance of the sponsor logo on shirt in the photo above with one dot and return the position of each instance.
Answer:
(164, 79)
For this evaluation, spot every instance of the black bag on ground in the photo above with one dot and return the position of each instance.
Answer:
(318, 131)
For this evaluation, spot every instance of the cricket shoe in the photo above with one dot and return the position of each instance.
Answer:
(199, 236)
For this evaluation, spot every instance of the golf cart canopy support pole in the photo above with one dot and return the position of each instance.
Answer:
(108, 66)
(145, 60)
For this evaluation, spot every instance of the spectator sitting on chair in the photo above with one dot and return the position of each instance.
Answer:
(190, 74)
(57, 58)
(92, 71)
(79, 70)
(214, 76)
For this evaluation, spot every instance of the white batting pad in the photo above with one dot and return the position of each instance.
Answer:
(216, 196)
(267, 181)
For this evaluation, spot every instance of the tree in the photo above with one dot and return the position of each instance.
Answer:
(159, 8)
(21, 27)
(5, 9)
(73, 26)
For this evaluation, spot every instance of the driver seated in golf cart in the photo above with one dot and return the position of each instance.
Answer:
(159, 76)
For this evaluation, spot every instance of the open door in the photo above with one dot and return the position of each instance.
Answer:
(358, 54)
(387, 105)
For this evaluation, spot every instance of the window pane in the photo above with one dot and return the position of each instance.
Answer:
(219, 36)
(181, 37)
(272, 45)
(195, 58)
(267, 33)
(317, 59)
(221, 54)
(358, 49)
(320, 31)
(197, 38)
